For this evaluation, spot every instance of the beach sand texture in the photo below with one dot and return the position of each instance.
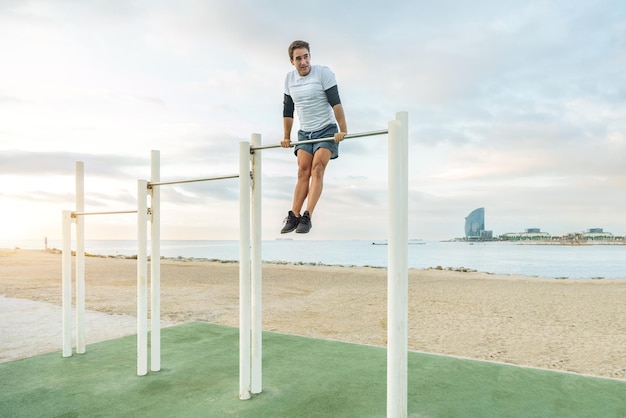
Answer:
(568, 325)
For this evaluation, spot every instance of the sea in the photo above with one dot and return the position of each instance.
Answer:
(549, 261)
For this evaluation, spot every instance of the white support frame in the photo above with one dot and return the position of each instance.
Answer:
(155, 262)
(80, 259)
(245, 301)
(152, 214)
(397, 268)
(397, 271)
(66, 292)
(256, 284)
(250, 265)
(77, 217)
(142, 278)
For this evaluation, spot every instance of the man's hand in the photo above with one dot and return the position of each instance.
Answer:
(339, 136)
(285, 143)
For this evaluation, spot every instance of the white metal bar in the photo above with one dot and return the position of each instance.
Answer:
(163, 183)
(244, 270)
(397, 271)
(113, 212)
(256, 307)
(66, 283)
(155, 264)
(80, 259)
(142, 278)
(312, 141)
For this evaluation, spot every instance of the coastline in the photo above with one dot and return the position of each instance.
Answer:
(568, 325)
(550, 261)
(460, 269)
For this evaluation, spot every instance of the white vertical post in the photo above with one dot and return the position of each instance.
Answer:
(397, 271)
(142, 278)
(256, 272)
(66, 283)
(80, 258)
(155, 264)
(244, 270)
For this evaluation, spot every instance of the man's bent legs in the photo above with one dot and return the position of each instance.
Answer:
(309, 185)
(305, 164)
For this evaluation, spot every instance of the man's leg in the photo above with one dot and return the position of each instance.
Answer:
(320, 160)
(293, 219)
(305, 163)
(318, 167)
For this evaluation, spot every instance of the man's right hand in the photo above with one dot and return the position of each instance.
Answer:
(285, 143)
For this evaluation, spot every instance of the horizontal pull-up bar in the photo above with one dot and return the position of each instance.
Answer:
(312, 141)
(163, 183)
(75, 214)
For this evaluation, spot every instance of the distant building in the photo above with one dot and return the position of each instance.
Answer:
(597, 234)
(475, 225)
(532, 234)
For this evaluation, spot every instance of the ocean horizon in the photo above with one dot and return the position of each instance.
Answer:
(549, 261)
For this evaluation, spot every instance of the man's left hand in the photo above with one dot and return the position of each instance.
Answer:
(339, 136)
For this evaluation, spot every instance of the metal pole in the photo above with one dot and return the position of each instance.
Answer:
(142, 278)
(244, 270)
(397, 271)
(312, 141)
(80, 258)
(66, 283)
(163, 183)
(114, 212)
(256, 271)
(155, 264)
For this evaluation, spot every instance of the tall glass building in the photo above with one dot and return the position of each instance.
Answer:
(475, 223)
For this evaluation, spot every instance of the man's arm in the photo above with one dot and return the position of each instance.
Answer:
(288, 108)
(341, 121)
(332, 94)
(287, 125)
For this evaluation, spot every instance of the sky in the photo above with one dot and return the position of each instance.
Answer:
(515, 106)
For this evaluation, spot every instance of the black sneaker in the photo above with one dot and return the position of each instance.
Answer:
(304, 225)
(291, 223)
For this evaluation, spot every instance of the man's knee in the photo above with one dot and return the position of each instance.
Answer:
(318, 170)
(304, 173)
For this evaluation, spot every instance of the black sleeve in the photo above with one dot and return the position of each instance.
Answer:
(288, 106)
(332, 94)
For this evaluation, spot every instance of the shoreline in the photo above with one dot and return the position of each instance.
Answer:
(460, 269)
(562, 262)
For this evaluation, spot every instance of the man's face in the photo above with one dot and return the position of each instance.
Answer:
(302, 61)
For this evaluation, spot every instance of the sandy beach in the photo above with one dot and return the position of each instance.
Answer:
(569, 325)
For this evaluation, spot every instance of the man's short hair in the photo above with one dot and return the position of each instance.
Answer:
(296, 45)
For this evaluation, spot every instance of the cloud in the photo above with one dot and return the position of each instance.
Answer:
(40, 197)
(10, 100)
(17, 162)
(202, 193)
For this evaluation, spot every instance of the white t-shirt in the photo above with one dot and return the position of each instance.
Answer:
(309, 97)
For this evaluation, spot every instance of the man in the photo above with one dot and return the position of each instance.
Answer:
(312, 91)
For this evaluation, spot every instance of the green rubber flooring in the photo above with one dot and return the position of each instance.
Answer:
(302, 377)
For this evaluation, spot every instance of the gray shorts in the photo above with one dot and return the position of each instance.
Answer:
(326, 132)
